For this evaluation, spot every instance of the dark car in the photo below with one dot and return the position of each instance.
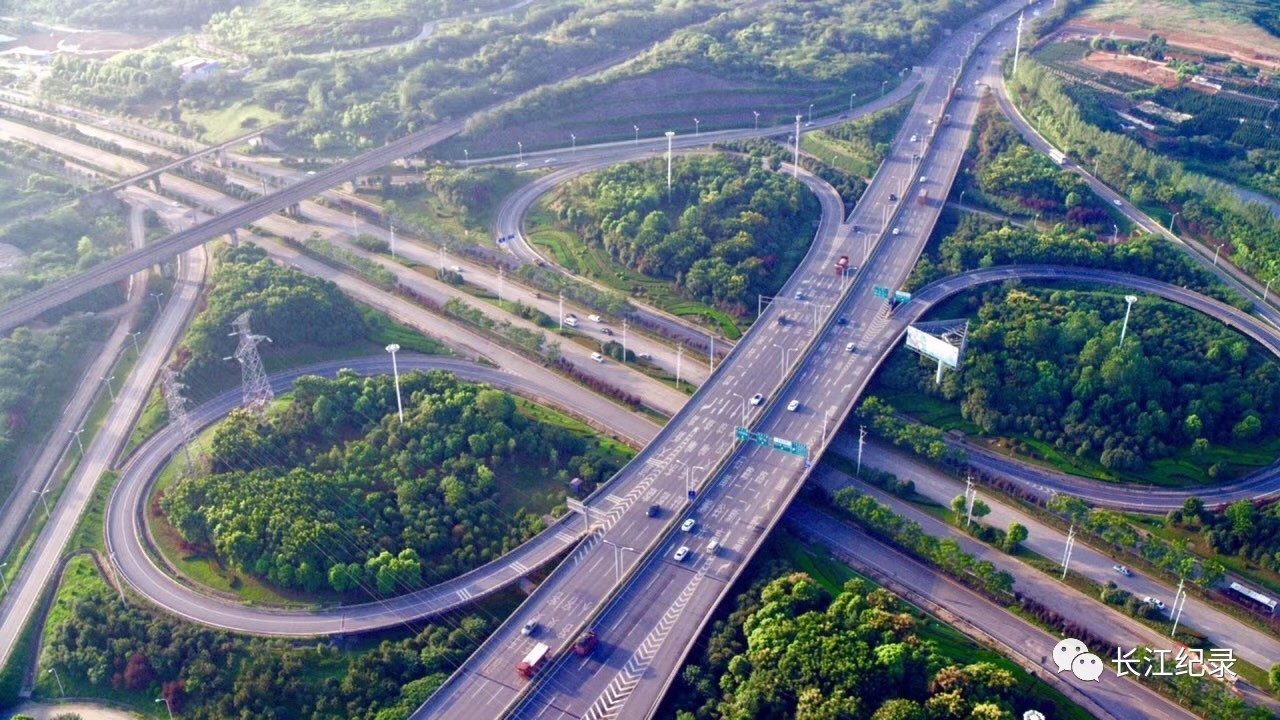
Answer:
(654, 510)
(893, 198)
(585, 644)
(606, 331)
(842, 320)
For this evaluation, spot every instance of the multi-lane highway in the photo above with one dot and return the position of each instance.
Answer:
(665, 598)
(99, 454)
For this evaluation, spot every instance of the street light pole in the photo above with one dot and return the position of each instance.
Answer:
(795, 168)
(573, 147)
(624, 341)
(1129, 300)
(61, 690)
(157, 297)
(743, 419)
(670, 134)
(851, 97)
(696, 125)
(520, 148)
(1115, 233)
(1215, 253)
(134, 336)
(110, 390)
(78, 440)
(757, 114)
(637, 129)
(43, 501)
(1267, 289)
(3, 579)
(810, 112)
(165, 700)
(1173, 220)
(394, 348)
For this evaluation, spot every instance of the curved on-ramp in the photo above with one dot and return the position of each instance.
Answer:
(126, 532)
(1264, 483)
(125, 529)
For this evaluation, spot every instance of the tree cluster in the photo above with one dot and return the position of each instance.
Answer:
(334, 493)
(1207, 210)
(943, 553)
(290, 307)
(727, 230)
(34, 367)
(1049, 365)
(977, 244)
(1245, 529)
(207, 674)
(791, 650)
(921, 439)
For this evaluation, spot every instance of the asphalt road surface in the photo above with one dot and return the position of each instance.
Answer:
(646, 626)
(99, 454)
(1121, 699)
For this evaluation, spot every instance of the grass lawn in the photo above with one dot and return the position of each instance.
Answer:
(539, 492)
(577, 257)
(829, 572)
(232, 121)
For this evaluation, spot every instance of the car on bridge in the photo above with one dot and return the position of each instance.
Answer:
(793, 406)
(757, 399)
(530, 628)
(681, 554)
(688, 525)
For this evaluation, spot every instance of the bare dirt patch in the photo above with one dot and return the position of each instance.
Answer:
(97, 43)
(1146, 70)
(1204, 27)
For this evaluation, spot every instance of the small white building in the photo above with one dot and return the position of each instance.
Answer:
(196, 67)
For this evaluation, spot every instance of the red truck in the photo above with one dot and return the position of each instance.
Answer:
(923, 197)
(529, 666)
(842, 265)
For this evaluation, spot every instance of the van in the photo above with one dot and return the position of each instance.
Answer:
(597, 357)
(712, 547)
(571, 321)
(593, 318)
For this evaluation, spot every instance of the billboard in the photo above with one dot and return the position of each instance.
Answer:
(934, 347)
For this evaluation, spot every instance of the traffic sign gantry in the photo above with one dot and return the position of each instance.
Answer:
(766, 440)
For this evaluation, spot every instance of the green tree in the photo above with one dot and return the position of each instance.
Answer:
(1015, 536)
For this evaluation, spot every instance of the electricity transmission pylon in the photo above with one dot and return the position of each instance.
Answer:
(257, 391)
(178, 412)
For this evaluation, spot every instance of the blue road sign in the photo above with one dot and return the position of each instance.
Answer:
(881, 292)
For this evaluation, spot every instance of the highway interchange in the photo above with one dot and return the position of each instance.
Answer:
(754, 478)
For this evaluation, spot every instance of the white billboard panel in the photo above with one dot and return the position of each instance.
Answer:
(933, 347)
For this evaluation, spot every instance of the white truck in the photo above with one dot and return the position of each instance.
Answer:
(1057, 156)
(529, 666)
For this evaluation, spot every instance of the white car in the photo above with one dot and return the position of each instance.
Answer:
(681, 554)
(793, 406)
(1122, 570)
(757, 399)
(915, 138)
(688, 525)
(597, 357)
(1152, 601)
(849, 347)
(1117, 202)
(522, 165)
(897, 231)
(529, 628)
